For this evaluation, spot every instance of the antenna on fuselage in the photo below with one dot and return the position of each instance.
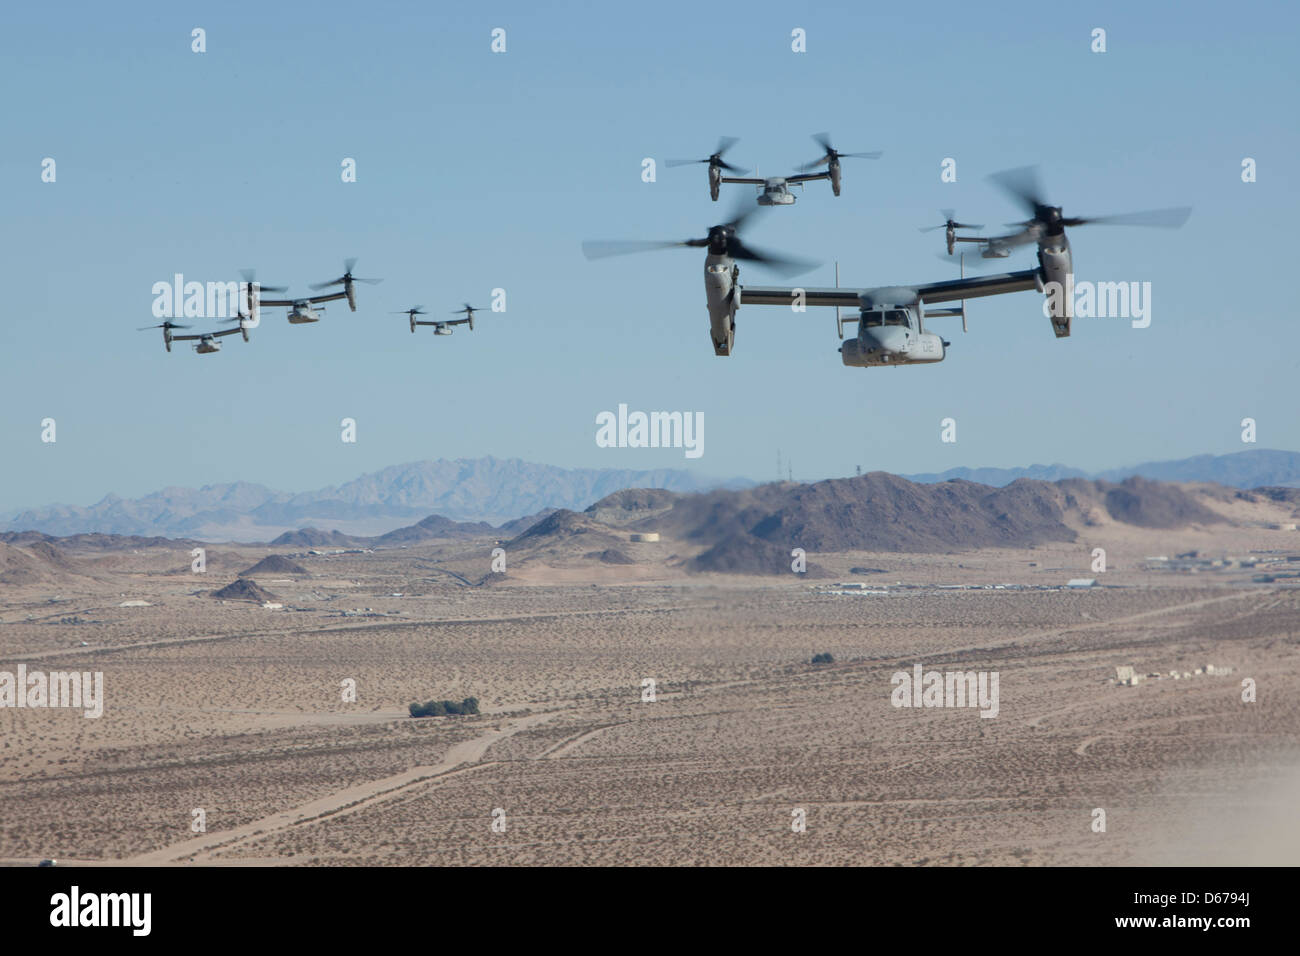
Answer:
(963, 301)
(947, 313)
(839, 322)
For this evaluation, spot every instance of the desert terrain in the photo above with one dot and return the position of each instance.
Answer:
(238, 705)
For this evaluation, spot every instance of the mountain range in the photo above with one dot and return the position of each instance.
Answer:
(1255, 468)
(483, 489)
(500, 491)
(753, 530)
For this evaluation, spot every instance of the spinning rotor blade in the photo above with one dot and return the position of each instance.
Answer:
(724, 144)
(604, 248)
(722, 239)
(1165, 218)
(1023, 185)
(949, 222)
(782, 265)
(415, 310)
(250, 277)
(348, 265)
(830, 152)
(162, 325)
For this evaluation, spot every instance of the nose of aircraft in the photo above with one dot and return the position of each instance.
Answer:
(884, 339)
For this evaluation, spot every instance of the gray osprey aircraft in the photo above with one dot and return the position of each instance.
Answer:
(307, 308)
(206, 342)
(444, 326)
(952, 225)
(301, 310)
(891, 319)
(775, 190)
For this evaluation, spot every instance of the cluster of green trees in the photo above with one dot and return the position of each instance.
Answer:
(824, 658)
(441, 708)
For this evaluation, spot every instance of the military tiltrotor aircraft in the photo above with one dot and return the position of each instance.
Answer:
(891, 319)
(308, 308)
(444, 326)
(775, 190)
(951, 226)
(1046, 227)
(205, 342)
(301, 311)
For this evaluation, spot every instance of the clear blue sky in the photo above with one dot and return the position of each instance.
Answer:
(478, 171)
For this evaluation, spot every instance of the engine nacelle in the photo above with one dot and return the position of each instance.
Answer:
(1058, 267)
(715, 181)
(351, 291)
(835, 177)
(720, 275)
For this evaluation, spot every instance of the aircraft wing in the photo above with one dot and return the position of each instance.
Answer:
(188, 338)
(744, 179)
(289, 303)
(807, 177)
(970, 287)
(235, 331)
(455, 322)
(774, 295)
(973, 287)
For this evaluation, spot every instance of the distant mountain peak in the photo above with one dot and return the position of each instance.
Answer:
(467, 490)
(1250, 468)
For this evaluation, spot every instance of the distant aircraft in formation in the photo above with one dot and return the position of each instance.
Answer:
(774, 190)
(301, 310)
(441, 326)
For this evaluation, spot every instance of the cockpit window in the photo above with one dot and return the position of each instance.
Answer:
(878, 317)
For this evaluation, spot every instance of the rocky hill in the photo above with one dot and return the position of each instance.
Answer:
(754, 530)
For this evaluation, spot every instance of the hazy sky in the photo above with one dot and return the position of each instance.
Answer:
(479, 170)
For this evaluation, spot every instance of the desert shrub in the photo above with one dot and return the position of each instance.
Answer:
(824, 658)
(443, 708)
